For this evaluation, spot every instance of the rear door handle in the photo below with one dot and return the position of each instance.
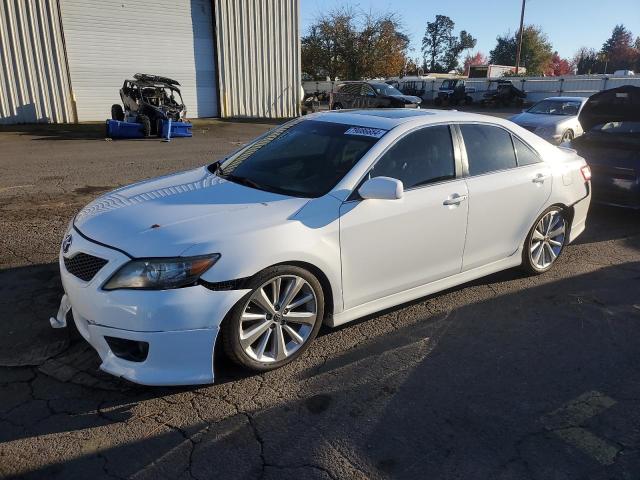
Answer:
(455, 199)
(540, 178)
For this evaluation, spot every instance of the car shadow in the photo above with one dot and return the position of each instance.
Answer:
(460, 391)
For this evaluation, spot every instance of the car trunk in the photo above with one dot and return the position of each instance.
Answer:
(614, 157)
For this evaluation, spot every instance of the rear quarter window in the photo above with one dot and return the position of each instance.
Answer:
(526, 156)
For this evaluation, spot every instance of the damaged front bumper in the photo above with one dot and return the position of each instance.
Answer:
(151, 337)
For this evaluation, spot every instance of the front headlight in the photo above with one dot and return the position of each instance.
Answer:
(161, 273)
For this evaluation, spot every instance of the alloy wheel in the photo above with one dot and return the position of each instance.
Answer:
(547, 239)
(278, 318)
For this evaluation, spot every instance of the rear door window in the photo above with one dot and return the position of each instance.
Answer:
(489, 148)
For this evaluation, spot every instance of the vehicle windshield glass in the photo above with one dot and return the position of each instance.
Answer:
(556, 107)
(618, 127)
(384, 89)
(162, 96)
(303, 158)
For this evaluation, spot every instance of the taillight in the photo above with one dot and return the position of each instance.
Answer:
(586, 173)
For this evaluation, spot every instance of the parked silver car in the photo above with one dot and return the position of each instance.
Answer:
(555, 118)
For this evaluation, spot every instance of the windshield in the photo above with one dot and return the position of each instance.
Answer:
(618, 127)
(556, 107)
(303, 158)
(384, 89)
(162, 96)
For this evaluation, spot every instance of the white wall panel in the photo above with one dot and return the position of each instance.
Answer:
(108, 41)
(258, 43)
(536, 88)
(34, 82)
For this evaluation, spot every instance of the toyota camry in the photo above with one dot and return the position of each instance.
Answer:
(322, 220)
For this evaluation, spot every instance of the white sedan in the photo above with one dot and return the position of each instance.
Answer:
(324, 219)
(555, 118)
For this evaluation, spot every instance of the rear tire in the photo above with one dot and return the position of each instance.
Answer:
(567, 136)
(117, 113)
(259, 333)
(546, 241)
(159, 127)
(337, 106)
(146, 125)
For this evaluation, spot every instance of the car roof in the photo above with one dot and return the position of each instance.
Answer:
(567, 99)
(388, 118)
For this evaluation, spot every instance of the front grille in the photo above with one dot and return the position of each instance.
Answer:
(84, 266)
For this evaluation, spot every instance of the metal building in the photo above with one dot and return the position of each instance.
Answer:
(65, 60)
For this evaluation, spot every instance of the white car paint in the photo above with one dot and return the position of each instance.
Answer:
(373, 253)
(551, 127)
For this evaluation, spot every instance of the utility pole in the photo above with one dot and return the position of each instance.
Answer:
(520, 37)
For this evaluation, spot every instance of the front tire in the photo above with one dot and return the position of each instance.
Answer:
(117, 113)
(545, 241)
(146, 125)
(277, 321)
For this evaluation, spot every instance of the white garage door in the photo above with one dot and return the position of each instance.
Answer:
(108, 41)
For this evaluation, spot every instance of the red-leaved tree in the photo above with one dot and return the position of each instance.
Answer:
(477, 58)
(558, 66)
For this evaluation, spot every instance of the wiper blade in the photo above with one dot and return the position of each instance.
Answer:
(241, 180)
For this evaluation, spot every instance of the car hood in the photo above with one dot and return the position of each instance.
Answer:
(168, 215)
(407, 98)
(614, 105)
(540, 120)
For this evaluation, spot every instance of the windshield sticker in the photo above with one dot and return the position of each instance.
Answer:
(366, 132)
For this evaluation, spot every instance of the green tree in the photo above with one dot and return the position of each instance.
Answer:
(536, 51)
(437, 41)
(330, 45)
(457, 45)
(587, 61)
(352, 45)
(619, 49)
(441, 48)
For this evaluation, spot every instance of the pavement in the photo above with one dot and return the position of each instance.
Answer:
(508, 377)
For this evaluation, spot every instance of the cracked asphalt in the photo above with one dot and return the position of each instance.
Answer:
(509, 377)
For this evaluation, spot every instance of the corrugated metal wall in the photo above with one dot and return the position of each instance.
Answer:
(34, 82)
(258, 47)
(109, 41)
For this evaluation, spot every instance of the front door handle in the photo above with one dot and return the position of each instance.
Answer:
(540, 178)
(455, 199)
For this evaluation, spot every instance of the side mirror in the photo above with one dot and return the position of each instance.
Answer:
(381, 188)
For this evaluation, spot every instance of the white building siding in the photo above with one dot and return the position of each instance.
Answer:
(34, 82)
(108, 41)
(258, 44)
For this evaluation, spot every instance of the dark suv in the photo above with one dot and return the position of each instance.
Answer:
(370, 95)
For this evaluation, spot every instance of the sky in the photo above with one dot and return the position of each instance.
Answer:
(569, 24)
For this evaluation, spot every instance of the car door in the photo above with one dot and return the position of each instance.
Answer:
(506, 192)
(388, 246)
(368, 96)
